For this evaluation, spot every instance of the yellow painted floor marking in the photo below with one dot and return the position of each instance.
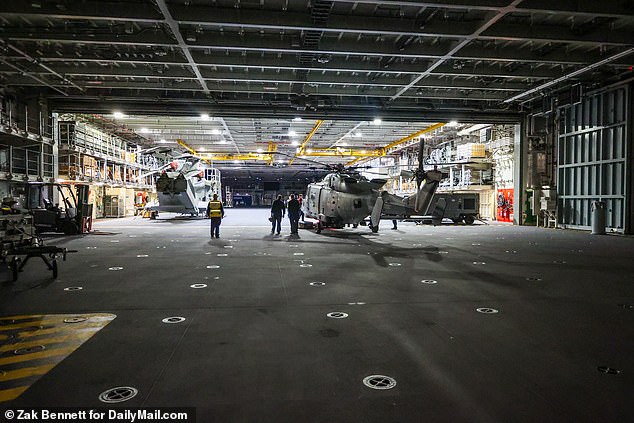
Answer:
(13, 393)
(35, 343)
(22, 317)
(62, 339)
(25, 372)
(84, 328)
(37, 355)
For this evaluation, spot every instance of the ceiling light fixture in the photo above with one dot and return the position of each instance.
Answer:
(215, 132)
(259, 150)
(297, 119)
(294, 143)
(118, 115)
(292, 133)
(204, 116)
(377, 121)
(453, 123)
(145, 131)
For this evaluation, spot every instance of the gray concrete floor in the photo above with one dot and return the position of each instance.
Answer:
(257, 345)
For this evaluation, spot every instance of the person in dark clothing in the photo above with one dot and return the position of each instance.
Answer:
(394, 223)
(278, 210)
(294, 208)
(216, 212)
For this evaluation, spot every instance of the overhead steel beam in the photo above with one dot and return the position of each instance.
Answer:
(499, 15)
(287, 90)
(570, 75)
(84, 10)
(33, 77)
(576, 8)
(257, 19)
(163, 106)
(466, 68)
(331, 48)
(96, 75)
(42, 65)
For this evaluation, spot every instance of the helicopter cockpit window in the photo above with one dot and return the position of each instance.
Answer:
(357, 204)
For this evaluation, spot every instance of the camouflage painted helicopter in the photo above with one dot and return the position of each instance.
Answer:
(346, 197)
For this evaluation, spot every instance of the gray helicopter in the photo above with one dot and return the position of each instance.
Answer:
(184, 186)
(346, 197)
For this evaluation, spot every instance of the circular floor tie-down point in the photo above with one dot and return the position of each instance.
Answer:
(429, 281)
(487, 310)
(118, 394)
(73, 288)
(533, 279)
(75, 320)
(608, 370)
(306, 265)
(337, 315)
(198, 285)
(213, 266)
(173, 319)
(479, 263)
(115, 268)
(29, 350)
(394, 264)
(379, 382)
(142, 255)
(317, 283)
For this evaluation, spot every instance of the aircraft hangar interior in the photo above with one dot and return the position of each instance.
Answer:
(317, 210)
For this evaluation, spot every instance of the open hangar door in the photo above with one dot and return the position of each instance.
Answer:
(594, 159)
(578, 151)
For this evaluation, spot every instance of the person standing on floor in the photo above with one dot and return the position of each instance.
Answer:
(216, 212)
(294, 208)
(278, 210)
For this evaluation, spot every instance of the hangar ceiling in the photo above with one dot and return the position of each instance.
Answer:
(472, 60)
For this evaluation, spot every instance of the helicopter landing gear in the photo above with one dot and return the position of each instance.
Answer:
(355, 225)
(319, 227)
(373, 228)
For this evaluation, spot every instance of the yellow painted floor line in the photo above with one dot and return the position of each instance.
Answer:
(40, 322)
(22, 317)
(13, 393)
(88, 329)
(35, 343)
(3, 337)
(37, 355)
(25, 372)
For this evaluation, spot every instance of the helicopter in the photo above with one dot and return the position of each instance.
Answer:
(347, 197)
(184, 186)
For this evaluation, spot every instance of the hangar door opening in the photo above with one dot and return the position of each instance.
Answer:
(592, 161)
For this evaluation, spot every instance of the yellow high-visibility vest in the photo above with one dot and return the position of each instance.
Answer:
(215, 209)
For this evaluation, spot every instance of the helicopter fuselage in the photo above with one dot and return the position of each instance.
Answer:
(341, 199)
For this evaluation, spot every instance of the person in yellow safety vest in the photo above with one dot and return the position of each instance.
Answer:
(216, 212)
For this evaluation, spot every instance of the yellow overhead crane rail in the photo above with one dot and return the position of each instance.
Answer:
(360, 154)
(208, 157)
(300, 150)
(384, 150)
